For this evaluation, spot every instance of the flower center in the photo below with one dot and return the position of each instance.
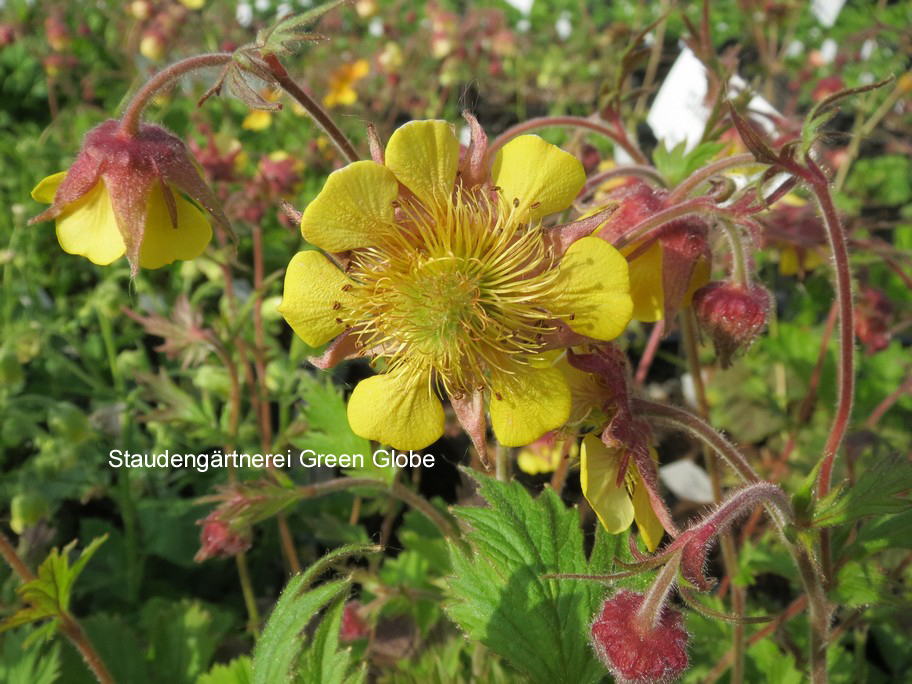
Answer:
(459, 293)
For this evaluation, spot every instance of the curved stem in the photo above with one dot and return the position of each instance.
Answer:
(316, 112)
(129, 124)
(447, 526)
(707, 172)
(684, 420)
(565, 121)
(650, 612)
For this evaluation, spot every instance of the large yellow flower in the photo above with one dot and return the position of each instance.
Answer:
(617, 506)
(454, 287)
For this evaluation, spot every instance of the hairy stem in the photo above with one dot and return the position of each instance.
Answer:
(165, 78)
(68, 624)
(704, 174)
(316, 112)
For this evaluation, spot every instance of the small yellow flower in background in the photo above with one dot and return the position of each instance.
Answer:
(125, 195)
(617, 506)
(391, 59)
(152, 46)
(545, 454)
(193, 4)
(454, 287)
(342, 83)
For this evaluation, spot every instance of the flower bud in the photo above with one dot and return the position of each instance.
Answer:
(732, 315)
(353, 626)
(635, 655)
(218, 539)
(124, 195)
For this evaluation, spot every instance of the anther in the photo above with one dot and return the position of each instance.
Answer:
(498, 396)
(337, 306)
(516, 202)
(346, 287)
(572, 316)
(535, 205)
(339, 320)
(496, 188)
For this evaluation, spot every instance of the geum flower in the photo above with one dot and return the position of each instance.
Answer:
(446, 273)
(124, 194)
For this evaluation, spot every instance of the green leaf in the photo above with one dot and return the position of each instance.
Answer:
(500, 598)
(183, 638)
(238, 671)
(875, 493)
(892, 532)
(279, 38)
(48, 596)
(322, 661)
(20, 664)
(280, 646)
(676, 164)
(860, 584)
(773, 665)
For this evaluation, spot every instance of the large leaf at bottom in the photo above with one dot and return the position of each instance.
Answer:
(498, 594)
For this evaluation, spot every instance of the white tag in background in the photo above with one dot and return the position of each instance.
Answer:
(687, 481)
(678, 112)
(826, 11)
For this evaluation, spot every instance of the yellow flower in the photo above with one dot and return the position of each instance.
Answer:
(88, 227)
(617, 506)
(125, 194)
(454, 287)
(342, 83)
(261, 119)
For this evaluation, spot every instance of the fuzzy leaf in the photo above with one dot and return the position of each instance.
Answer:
(279, 39)
(322, 661)
(677, 164)
(238, 671)
(498, 595)
(875, 493)
(281, 644)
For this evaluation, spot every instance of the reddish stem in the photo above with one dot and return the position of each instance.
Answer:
(164, 79)
(652, 346)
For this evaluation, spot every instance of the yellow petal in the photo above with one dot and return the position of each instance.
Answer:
(700, 277)
(88, 228)
(352, 209)
(312, 286)
(788, 261)
(647, 521)
(396, 409)
(532, 402)
(46, 189)
(531, 170)
(162, 243)
(593, 290)
(646, 282)
(598, 479)
(424, 156)
(359, 69)
(257, 120)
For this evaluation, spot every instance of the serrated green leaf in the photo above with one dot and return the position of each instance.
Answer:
(499, 597)
(876, 492)
(238, 671)
(860, 584)
(48, 595)
(281, 644)
(773, 665)
(893, 532)
(322, 661)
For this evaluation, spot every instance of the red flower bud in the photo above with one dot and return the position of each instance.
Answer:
(732, 315)
(657, 655)
(353, 625)
(218, 540)
(873, 316)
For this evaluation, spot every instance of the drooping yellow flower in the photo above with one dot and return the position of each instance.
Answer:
(617, 506)
(646, 286)
(342, 83)
(454, 287)
(124, 194)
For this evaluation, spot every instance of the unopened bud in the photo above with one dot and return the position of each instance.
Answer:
(634, 655)
(732, 315)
